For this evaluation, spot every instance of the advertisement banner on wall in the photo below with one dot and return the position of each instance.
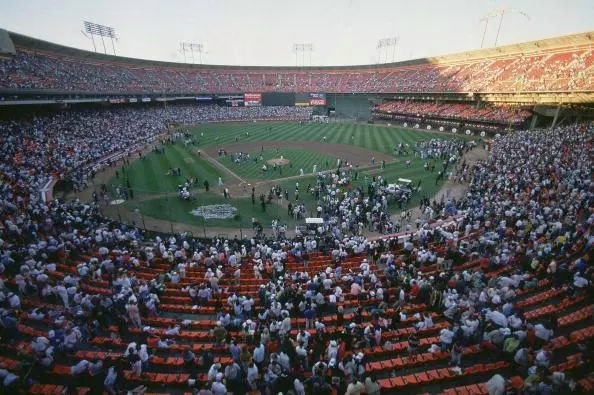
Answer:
(317, 99)
(252, 99)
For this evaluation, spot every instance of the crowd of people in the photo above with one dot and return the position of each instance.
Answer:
(72, 145)
(564, 69)
(426, 111)
(73, 281)
(450, 150)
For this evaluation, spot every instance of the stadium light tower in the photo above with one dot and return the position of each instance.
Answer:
(500, 13)
(302, 49)
(486, 20)
(384, 46)
(192, 48)
(95, 29)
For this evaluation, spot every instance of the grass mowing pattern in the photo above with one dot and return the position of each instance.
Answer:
(373, 137)
(299, 158)
(148, 176)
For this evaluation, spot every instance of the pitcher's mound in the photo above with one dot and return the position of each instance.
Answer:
(189, 161)
(277, 161)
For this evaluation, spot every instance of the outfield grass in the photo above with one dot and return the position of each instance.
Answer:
(373, 137)
(149, 175)
(299, 159)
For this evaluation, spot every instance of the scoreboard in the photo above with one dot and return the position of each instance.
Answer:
(310, 99)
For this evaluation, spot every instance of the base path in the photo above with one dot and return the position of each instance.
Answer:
(216, 163)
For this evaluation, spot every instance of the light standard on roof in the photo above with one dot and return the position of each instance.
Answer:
(192, 48)
(387, 43)
(500, 13)
(95, 29)
(302, 49)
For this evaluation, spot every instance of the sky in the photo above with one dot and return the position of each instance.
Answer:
(262, 32)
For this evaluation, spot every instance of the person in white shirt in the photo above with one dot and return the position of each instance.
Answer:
(542, 333)
(515, 322)
(14, 301)
(299, 388)
(252, 376)
(579, 281)
(497, 318)
(218, 388)
(214, 371)
(301, 352)
(110, 380)
(542, 358)
(144, 356)
(79, 368)
(446, 336)
(259, 354)
(247, 306)
(303, 337)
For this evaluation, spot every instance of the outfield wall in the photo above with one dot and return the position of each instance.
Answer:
(354, 106)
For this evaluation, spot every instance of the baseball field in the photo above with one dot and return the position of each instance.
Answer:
(240, 157)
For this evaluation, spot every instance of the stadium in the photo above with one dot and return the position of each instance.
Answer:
(421, 226)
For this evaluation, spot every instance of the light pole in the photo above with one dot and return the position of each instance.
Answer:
(302, 49)
(95, 29)
(387, 43)
(192, 48)
(486, 20)
(500, 13)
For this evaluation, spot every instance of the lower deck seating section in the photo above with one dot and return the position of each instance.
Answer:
(496, 299)
(503, 114)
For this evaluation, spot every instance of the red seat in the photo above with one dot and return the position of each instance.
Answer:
(398, 382)
(433, 375)
(422, 377)
(385, 384)
(474, 390)
(410, 379)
